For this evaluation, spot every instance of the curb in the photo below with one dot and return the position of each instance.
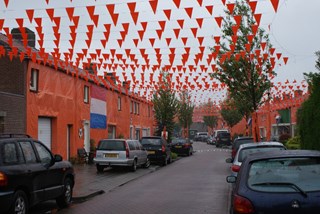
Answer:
(81, 199)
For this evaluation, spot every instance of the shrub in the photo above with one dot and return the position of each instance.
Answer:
(173, 155)
(284, 138)
(294, 143)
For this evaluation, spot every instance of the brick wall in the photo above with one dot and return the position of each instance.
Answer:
(12, 95)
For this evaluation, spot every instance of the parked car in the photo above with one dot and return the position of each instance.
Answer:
(216, 132)
(223, 139)
(211, 140)
(237, 142)
(120, 152)
(158, 149)
(277, 182)
(30, 174)
(249, 148)
(182, 146)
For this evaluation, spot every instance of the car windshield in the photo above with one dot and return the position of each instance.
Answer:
(112, 145)
(246, 151)
(151, 141)
(285, 175)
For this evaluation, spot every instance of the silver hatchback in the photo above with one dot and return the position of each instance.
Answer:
(120, 152)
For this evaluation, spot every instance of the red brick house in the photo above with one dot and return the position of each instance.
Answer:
(51, 101)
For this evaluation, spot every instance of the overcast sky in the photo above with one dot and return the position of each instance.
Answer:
(294, 29)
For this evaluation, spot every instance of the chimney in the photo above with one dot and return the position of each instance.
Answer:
(110, 77)
(18, 35)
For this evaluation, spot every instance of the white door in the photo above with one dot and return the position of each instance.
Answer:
(86, 127)
(44, 131)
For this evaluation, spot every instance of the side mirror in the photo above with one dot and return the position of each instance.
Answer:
(229, 160)
(57, 158)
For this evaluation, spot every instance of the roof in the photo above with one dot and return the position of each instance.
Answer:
(260, 144)
(56, 63)
(282, 154)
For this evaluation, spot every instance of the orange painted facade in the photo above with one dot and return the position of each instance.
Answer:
(60, 97)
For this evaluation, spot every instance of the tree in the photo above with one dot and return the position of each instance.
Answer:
(245, 62)
(165, 106)
(185, 112)
(231, 112)
(211, 121)
(309, 113)
(231, 115)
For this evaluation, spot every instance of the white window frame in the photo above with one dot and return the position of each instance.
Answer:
(119, 103)
(86, 94)
(34, 80)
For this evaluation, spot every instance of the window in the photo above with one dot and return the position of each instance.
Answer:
(10, 155)
(138, 108)
(119, 103)
(28, 152)
(34, 80)
(86, 94)
(131, 106)
(1, 124)
(44, 154)
(149, 113)
(111, 132)
(135, 108)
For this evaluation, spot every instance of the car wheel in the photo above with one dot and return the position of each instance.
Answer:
(134, 166)
(20, 203)
(147, 164)
(65, 199)
(100, 168)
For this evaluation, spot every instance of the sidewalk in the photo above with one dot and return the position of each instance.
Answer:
(89, 183)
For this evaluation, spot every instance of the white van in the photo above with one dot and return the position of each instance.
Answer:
(215, 133)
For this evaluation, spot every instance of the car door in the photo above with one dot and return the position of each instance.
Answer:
(141, 153)
(35, 172)
(54, 173)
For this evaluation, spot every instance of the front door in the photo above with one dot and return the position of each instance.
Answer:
(86, 127)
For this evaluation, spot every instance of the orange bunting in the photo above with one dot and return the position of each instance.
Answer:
(177, 3)
(189, 11)
(167, 13)
(275, 4)
(50, 13)
(199, 21)
(210, 9)
(154, 5)
(219, 20)
(230, 7)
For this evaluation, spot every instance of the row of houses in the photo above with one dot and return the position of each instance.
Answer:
(63, 107)
(274, 119)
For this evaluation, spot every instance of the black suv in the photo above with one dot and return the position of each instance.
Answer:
(223, 139)
(158, 149)
(30, 173)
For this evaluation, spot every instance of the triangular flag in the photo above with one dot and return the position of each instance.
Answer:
(253, 5)
(159, 32)
(50, 13)
(30, 14)
(184, 40)
(168, 40)
(115, 17)
(162, 24)
(218, 20)
(194, 31)
(257, 18)
(70, 11)
(153, 4)
(180, 22)
(275, 4)
(210, 9)
(167, 13)
(177, 3)
(176, 32)
(230, 7)
(189, 11)
(152, 41)
(200, 2)
(110, 8)
(6, 2)
(135, 16)
(200, 21)
(132, 6)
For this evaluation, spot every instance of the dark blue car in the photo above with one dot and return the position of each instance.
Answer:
(278, 182)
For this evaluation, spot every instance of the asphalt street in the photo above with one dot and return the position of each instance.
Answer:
(194, 184)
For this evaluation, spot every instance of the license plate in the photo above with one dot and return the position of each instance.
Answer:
(151, 152)
(111, 155)
(178, 147)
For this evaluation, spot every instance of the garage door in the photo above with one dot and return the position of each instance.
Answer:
(44, 131)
